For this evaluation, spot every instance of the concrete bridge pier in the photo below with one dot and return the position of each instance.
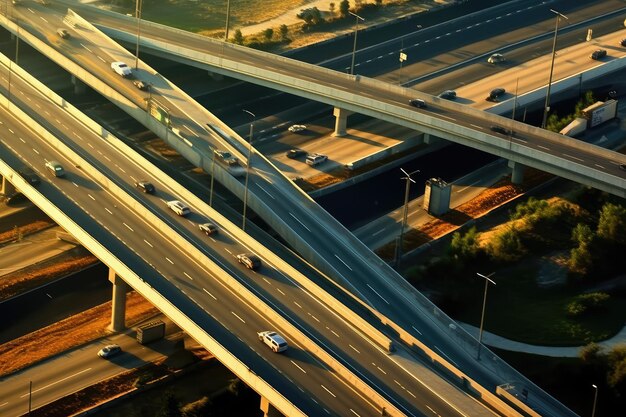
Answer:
(118, 305)
(341, 120)
(215, 76)
(79, 86)
(268, 409)
(429, 139)
(7, 189)
(517, 172)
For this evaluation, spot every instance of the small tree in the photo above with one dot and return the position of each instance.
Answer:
(268, 34)
(238, 37)
(379, 3)
(358, 4)
(506, 246)
(311, 16)
(284, 32)
(612, 223)
(580, 257)
(465, 247)
(331, 9)
(344, 8)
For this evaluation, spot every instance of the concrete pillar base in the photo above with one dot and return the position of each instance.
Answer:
(7, 188)
(341, 120)
(118, 306)
(517, 172)
(79, 86)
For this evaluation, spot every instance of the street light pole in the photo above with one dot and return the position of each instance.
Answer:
(405, 215)
(245, 190)
(356, 31)
(482, 317)
(546, 108)
(227, 20)
(138, 5)
(595, 400)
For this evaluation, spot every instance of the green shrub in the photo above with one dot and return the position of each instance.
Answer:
(587, 303)
(465, 246)
(506, 246)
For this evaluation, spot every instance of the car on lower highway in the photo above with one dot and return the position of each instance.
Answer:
(178, 207)
(109, 351)
(249, 260)
(296, 128)
(30, 176)
(448, 95)
(55, 168)
(141, 85)
(295, 153)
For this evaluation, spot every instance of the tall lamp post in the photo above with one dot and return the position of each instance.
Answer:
(245, 190)
(138, 5)
(405, 215)
(227, 20)
(356, 31)
(595, 400)
(546, 108)
(482, 316)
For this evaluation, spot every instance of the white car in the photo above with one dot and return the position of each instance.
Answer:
(178, 207)
(272, 339)
(121, 68)
(109, 350)
(296, 128)
(315, 159)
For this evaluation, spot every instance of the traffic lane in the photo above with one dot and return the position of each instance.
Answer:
(153, 281)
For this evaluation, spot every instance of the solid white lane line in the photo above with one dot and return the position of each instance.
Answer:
(343, 262)
(376, 292)
(56, 382)
(298, 366)
(329, 391)
(235, 314)
(298, 220)
(205, 290)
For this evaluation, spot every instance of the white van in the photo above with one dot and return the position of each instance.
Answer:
(316, 159)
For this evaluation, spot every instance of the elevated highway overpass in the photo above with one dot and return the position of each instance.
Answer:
(290, 212)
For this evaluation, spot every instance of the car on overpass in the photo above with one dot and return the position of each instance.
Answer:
(495, 94)
(141, 85)
(55, 168)
(316, 159)
(273, 340)
(208, 228)
(121, 68)
(496, 58)
(63, 33)
(417, 102)
(295, 153)
(249, 260)
(598, 54)
(145, 186)
(178, 207)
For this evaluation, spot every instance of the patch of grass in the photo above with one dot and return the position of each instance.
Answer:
(519, 310)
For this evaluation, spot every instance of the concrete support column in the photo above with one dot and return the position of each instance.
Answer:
(79, 86)
(118, 306)
(7, 189)
(341, 120)
(517, 172)
(268, 409)
(429, 140)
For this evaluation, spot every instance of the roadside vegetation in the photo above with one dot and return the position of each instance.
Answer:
(555, 123)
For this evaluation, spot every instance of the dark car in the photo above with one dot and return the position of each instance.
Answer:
(249, 260)
(63, 33)
(448, 95)
(295, 153)
(623, 42)
(495, 94)
(145, 186)
(30, 176)
(598, 54)
(417, 102)
(141, 85)
(208, 228)
(500, 129)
